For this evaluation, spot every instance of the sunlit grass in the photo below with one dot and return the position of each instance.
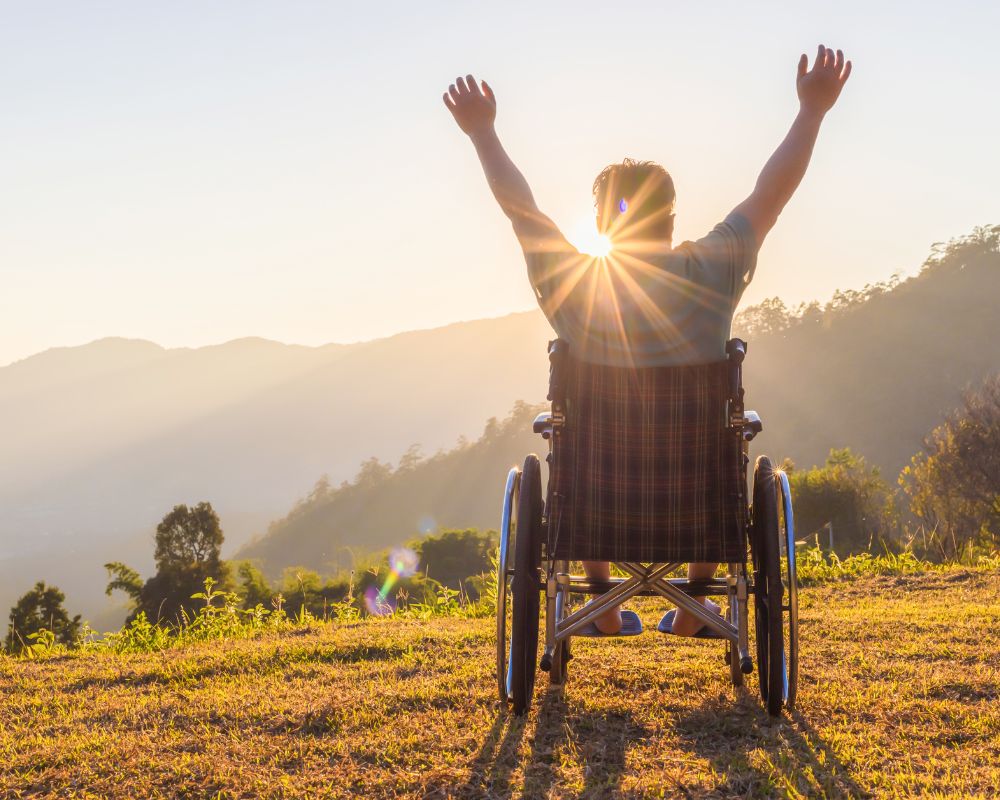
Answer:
(899, 690)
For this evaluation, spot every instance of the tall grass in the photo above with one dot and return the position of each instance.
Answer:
(221, 616)
(815, 565)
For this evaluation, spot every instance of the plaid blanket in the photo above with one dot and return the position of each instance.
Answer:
(646, 468)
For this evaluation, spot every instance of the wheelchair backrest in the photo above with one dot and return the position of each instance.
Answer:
(645, 463)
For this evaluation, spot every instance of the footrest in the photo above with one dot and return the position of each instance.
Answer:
(631, 626)
(667, 623)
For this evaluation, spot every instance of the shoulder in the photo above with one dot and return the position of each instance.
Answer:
(726, 256)
(734, 233)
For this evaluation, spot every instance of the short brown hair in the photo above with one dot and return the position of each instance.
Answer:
(645, 186)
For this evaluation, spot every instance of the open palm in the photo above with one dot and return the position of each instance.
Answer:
(473, 108)
(820, 86)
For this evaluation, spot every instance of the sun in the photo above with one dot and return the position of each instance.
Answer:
(586, 238)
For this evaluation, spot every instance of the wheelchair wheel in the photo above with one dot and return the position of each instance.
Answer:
(525, 586)
(505, 572)
(790, 580)
(768, 587)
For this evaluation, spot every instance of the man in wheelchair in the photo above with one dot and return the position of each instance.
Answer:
(647, 324)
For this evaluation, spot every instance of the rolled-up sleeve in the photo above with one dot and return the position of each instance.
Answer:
(727, 256)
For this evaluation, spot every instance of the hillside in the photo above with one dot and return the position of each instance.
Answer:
(383, 507)
(898, 700)
(877, 374)
(874, 372)
(101, 440)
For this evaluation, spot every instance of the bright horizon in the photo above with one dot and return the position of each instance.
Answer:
(195, 174)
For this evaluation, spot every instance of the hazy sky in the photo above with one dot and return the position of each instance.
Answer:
(193, 172)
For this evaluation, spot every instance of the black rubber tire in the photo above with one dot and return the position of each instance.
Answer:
(768, 589)
(526, 586)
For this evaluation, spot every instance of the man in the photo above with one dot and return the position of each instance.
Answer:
(648, 303)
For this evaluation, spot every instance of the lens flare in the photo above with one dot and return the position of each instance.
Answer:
(403, 563)
(623, 205)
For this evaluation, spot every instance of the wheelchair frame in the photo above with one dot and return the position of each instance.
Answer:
(772, 582)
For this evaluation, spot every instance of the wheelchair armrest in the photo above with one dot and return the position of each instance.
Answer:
(543, 424)
(752, 425)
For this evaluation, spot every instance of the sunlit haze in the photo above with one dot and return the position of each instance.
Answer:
(191, 173)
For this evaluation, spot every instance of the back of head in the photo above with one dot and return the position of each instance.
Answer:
(634, 198)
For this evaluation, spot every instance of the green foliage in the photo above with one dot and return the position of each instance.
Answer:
(124, 579)
(38, 621)
(848, 494)
(816, 565)
(954, 483)
(453, 557)
(189, 537)
(188, 550)
(771, 315)
(254, 587)
(963, 251)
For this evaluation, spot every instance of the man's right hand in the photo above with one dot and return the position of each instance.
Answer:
(820, 86)
(474, 109)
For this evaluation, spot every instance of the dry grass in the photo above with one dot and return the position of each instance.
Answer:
(900, 696)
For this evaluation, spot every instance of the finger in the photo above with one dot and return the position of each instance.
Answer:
(448, 102)
(839, 63)
(830, 57)
(454, 93)
(847, 72)
(820, 56)
(488, 90)
(462, 88)
(803, 64)
(473, 86)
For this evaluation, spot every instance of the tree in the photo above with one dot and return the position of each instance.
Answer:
(453, 556)
(768, 316)
(189, 537)
(124, 579)
(188, 550)
(42, 607)
(954, 483)
(846, 493)
(254, 587)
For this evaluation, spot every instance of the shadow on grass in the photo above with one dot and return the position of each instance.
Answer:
(493, 766)
(759, 756)
(557, 735)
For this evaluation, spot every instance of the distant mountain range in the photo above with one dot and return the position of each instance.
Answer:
(101, 440)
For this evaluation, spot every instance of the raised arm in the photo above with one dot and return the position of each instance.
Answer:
(474, 109)
(818, 89)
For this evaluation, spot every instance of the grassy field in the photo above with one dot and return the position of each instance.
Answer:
(899, 696)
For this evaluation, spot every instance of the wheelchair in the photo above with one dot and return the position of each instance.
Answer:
(648, 470)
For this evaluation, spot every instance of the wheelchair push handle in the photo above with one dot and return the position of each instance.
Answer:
(736, 350)
(558, 356)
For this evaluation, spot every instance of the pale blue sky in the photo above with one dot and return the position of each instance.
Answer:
(193, 172)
